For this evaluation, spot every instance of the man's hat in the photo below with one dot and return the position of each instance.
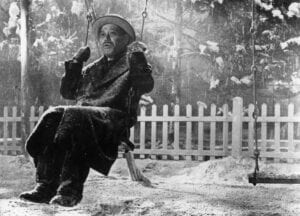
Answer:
(113, 19)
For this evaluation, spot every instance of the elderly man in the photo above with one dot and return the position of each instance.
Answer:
(68, 140)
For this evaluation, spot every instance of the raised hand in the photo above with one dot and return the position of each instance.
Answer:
(83, 54)
(136, 55)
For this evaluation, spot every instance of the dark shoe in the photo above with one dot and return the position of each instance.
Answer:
(73, 175)
(66, 200)
(68, 194)
(48, 168)
(42, 193)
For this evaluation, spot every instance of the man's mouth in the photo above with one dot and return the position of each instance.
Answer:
(107, 45)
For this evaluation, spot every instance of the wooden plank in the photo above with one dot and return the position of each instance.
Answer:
(174, 153)
(188, 131)
(41, 111)
(184, 118)
(32, 117)
(237, 125)
(212, 131)
(251, 140)
(131, 138)
(142, 131)
(10, 140)
(13, 149)
(263, 129)
(217, 119)
(281, 155)
(277, 131)
(135, 173)
(10, 119)
(5, 130)
(153, 130)
(272, 178)
(225, 130)
(176, 131)
(165, 131)
(25, 46)
(14, 128)
(200, 130)
(274, 119)
(291, 146)
(282, 149)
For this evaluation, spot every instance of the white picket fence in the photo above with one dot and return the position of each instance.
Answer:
(192, 136)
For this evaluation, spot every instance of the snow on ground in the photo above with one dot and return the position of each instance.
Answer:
(217, 187)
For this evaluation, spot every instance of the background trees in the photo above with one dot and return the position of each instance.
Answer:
(200, 49)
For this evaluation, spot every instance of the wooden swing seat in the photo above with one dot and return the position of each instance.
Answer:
(272, 178)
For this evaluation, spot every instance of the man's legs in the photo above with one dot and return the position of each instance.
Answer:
(48, 168)
(44, 131)
(73, 175)
(69, 138)
(48, 159)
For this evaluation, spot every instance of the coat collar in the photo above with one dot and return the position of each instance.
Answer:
(117, 69)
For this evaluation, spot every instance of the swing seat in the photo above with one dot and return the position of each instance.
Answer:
(135, 173)
(272, 178)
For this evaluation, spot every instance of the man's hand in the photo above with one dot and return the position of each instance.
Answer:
(136, 46)
(136, 56)
(140, 70)
(82, 55)
(137, 60)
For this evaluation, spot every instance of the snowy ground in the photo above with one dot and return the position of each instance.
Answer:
(217, 187)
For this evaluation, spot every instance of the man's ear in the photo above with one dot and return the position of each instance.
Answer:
(128, 39)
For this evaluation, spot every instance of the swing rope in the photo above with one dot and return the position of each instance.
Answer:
(132, 91)
(90, 16)
(144, 16)
(254, 74)
(256, 176)
(135, 173)
(89, 20)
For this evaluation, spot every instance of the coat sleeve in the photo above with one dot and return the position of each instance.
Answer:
(142, 80)
(71, 79)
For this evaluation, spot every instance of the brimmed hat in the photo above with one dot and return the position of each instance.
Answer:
(113, 19)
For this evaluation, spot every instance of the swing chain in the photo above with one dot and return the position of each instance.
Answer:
(254, 73)
(131, 93)
(144, 15)
(89, 18)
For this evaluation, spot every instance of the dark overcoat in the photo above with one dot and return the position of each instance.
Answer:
(95, 125)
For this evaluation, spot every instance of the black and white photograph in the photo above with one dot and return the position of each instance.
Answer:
(150, 107)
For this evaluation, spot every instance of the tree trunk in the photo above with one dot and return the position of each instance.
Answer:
(177, 44)
(24, 38)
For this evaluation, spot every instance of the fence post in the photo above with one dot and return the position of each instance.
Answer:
(142, 131)
(5, 130)
(291, 145)
(237, 127)
(153, 131)
(165, 131)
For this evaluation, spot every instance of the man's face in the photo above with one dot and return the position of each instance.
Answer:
(113, 40)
